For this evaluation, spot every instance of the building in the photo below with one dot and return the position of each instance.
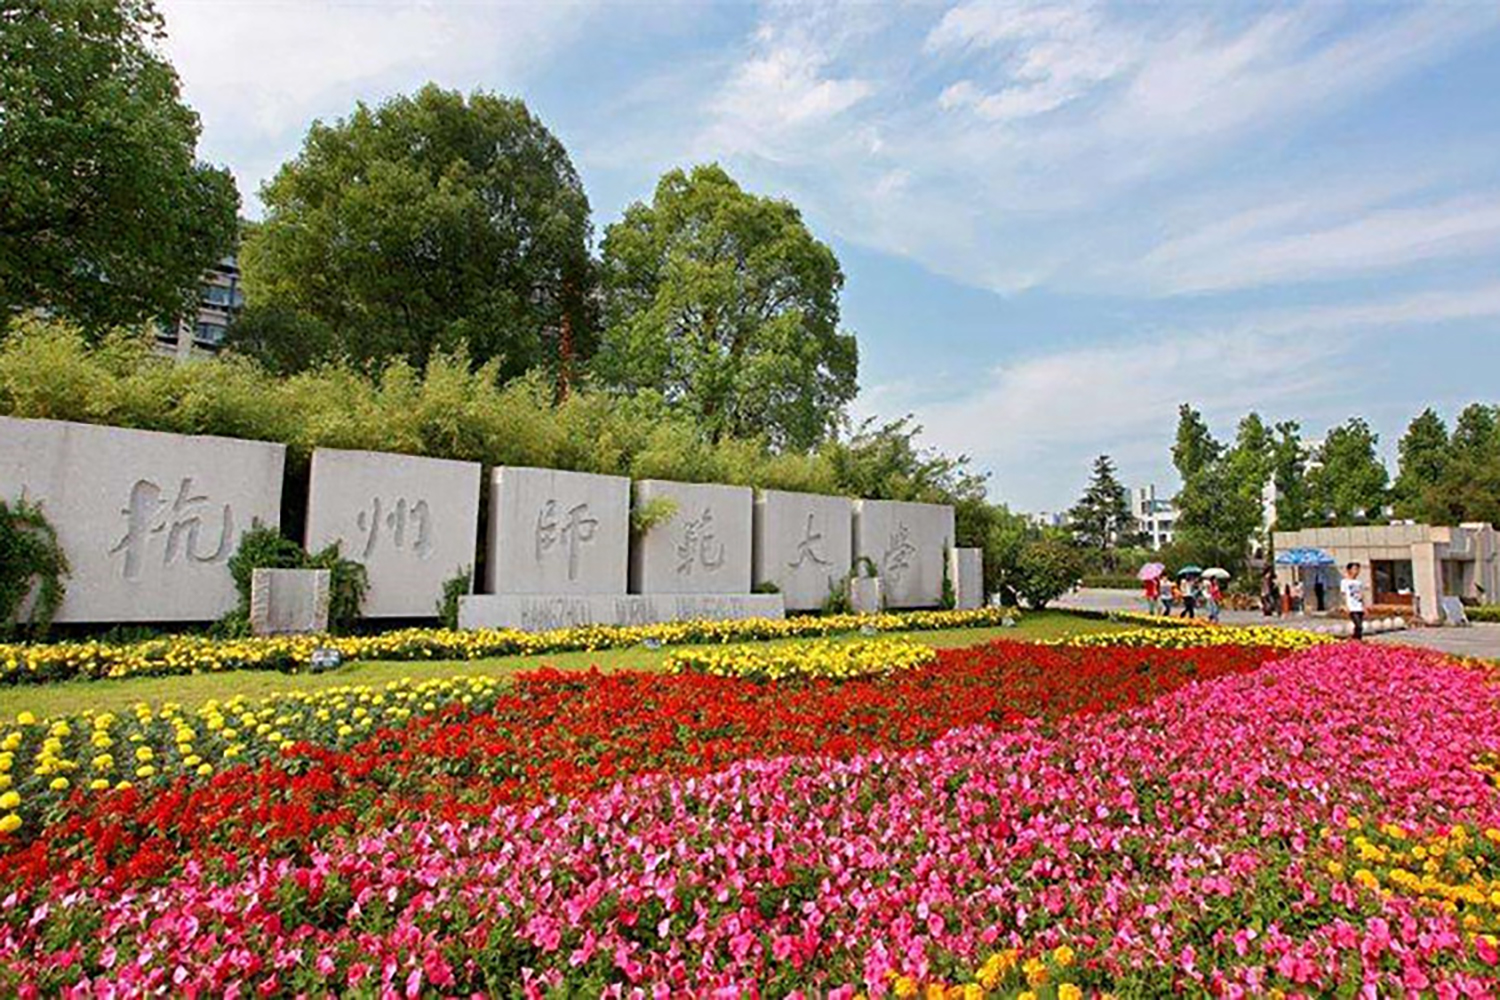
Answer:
(1411, 565)
(1155, 517)
(1045, 519)
(220, 301)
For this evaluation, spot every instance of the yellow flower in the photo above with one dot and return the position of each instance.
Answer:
(935, 991)
(10, 800)
(1063, 955)
(10, 824)
(143, 754)
(26, 718)
(1036, 971)
(99, 784)
(145, 771)
(1067, 991)
(905, 987)
(59, 784)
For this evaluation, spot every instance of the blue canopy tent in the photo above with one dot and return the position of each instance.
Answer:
(1311, 566)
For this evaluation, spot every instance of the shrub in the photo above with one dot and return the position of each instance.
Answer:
(458, 585)
(1045, 571)
(265, 548)
(30, 561)
(1113, 581)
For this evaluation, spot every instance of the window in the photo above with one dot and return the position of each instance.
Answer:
(209, 334)
(1392, 577)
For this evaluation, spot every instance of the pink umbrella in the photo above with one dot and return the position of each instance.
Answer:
(1151, 571)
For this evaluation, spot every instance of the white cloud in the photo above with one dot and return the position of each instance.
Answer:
(258, 71)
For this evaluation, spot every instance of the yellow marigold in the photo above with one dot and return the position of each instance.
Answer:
(1063, 955)
(905, 986)
(1036, 971)
(1067, 991)
(10, 824)
(10, 800)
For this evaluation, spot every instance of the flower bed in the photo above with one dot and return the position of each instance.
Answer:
(1200, 843)
(28, 663)
(829, 659)
(284, 770)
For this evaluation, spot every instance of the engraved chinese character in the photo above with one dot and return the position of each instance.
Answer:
(147, 513)
(699, 545)
(577, 529)
(807, 549)
(395, 521)
(898, 554)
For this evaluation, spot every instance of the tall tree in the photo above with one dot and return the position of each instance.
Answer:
(1102, 520)
(1348, 486)
(431, 222)
(1196, 448)
(106, 216)
(1289, 474)
(725, 302)
(1469, 487)
(1424, 451)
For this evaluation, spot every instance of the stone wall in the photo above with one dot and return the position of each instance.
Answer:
(704, 548)
(147, 520)
(541, 613)
(906, 542)
(555, 532)
(804, 544)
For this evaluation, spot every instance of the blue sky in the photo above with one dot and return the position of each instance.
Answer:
(1057, 221)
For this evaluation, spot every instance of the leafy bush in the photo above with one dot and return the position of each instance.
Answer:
(1046, 570)
(654, 512)
(458, 585)
(1113, 581)
(30, 560)
(1484, 613)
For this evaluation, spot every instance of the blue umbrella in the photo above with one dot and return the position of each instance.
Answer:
(1304, 557)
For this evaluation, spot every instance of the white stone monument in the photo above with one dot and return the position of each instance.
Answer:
(804, 544)
(703, 548)
(966, 570)
(906, 543)
(544, 612)
(411, 521)
(557, 533)
(147, 520)
(289, 601)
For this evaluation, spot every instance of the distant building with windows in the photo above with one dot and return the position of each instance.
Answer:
(202, 333)
(1047, 519)
(1155, 517)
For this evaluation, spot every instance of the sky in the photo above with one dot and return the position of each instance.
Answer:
(1057, 222)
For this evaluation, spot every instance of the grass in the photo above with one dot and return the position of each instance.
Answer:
(69, 697)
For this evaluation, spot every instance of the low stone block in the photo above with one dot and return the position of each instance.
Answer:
(906, 543)
(147, 520)
(289, 601)
(864, 595)
(704, 548)
(966, 570)
(554, 532)
(804, 544)
(411, 521)
(545, 612)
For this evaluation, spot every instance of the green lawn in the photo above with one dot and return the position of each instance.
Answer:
(116, 695)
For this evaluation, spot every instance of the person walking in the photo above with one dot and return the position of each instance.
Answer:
(1320, 593)
(1353, 590)
(1190, 599)
(1298, 604)
(1215, 600)
(1168, 597)
(1153, 594)
(1268, 593)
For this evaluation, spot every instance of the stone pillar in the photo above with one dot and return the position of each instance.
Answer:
(1427, 581)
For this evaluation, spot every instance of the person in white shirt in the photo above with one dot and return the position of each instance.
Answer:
(1353, 590)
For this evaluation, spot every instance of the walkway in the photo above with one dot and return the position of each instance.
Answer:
(1476, 640)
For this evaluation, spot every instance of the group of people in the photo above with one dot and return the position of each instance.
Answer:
(1289, 598)
(1164, 597)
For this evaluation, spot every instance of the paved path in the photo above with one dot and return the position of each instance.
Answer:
(1476, 640)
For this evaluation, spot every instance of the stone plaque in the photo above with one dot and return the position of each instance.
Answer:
(148, 520)
(864, 595)
(804, 544)
(554, 532)
(966, 570)
(704, 548)
(544, 612)
(289, 601)
(906, 543)
(410, 520)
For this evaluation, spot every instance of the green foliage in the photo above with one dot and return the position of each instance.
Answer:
(1219, 507)
(105, 216)
(1424, 451)
(429, 224)
(458, 585)
(725, 303)
(1102, 520)
(265, 548)
(1349, 486)
(283, 340)
(838, 602)
(949, 599)
(765, 587)
(1196, 448)
(1289, 473)
(654, 512)
(1461, 482)
(31, 561)
(1045, 570)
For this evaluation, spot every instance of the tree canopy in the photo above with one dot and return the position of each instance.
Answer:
(1101, 520)
(727, 304)
(430, 223)
(106, 216)
(1348, 483)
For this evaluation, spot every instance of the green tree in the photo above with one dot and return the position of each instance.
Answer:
(1348, 486)
(725, 302)
(886, 460)
(1195, 449)
(1468, 489)
(1424, 451)
(1101, 520)
(106, 216)
(1289, 474)
(1216, 520)
(430, 223)
(282, 339)
(1046, 568)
